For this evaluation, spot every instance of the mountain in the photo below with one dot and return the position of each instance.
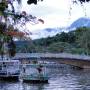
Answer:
(80, 23)
(47, 32)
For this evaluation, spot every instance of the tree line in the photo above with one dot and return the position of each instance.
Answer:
(76, 41)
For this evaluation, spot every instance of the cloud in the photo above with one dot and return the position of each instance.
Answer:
(55, 13)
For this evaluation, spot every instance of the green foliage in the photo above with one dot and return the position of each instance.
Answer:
(77, 50)
(3, 6)
(12, 48)
(73, 42)
(83, 38)
(71, 37)
(2, 28)
(4, 38)
(59, 47)
(77, 41)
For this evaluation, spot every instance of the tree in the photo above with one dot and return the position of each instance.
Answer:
(11, 18)
(83, 1)
(83, 38)
(74, 1)
(71, 37)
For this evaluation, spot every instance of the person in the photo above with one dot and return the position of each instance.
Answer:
(24, 69)
(40, 69)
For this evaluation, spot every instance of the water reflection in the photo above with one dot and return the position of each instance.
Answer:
(61, 79)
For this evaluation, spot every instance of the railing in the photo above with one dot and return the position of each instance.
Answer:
(51, 55)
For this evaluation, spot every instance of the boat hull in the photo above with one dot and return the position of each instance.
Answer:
(9, 78)
(35, 81)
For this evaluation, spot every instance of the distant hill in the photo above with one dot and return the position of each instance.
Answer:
(68, 42)
(80, 23)
(21, 43)
(49, 32)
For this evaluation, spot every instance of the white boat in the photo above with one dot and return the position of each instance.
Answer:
(37, 74)
(35, 78)
(9, 69)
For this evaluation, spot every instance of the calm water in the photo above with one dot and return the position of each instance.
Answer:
(61, 79)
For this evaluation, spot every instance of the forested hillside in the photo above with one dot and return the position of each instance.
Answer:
(77, 42)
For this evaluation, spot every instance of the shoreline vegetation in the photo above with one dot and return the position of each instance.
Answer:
(75, 42)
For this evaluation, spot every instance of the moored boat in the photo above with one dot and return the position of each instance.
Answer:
(37, 76)
(9, 70)
(35, 79)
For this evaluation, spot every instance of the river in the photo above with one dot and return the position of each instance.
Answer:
(60, 79)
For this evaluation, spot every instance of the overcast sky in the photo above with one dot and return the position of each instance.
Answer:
(55, 13)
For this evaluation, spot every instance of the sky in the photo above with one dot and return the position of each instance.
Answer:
(55, 13)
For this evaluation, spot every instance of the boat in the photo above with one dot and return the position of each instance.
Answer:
(9, 70)
(35, 79)
(39, 76)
